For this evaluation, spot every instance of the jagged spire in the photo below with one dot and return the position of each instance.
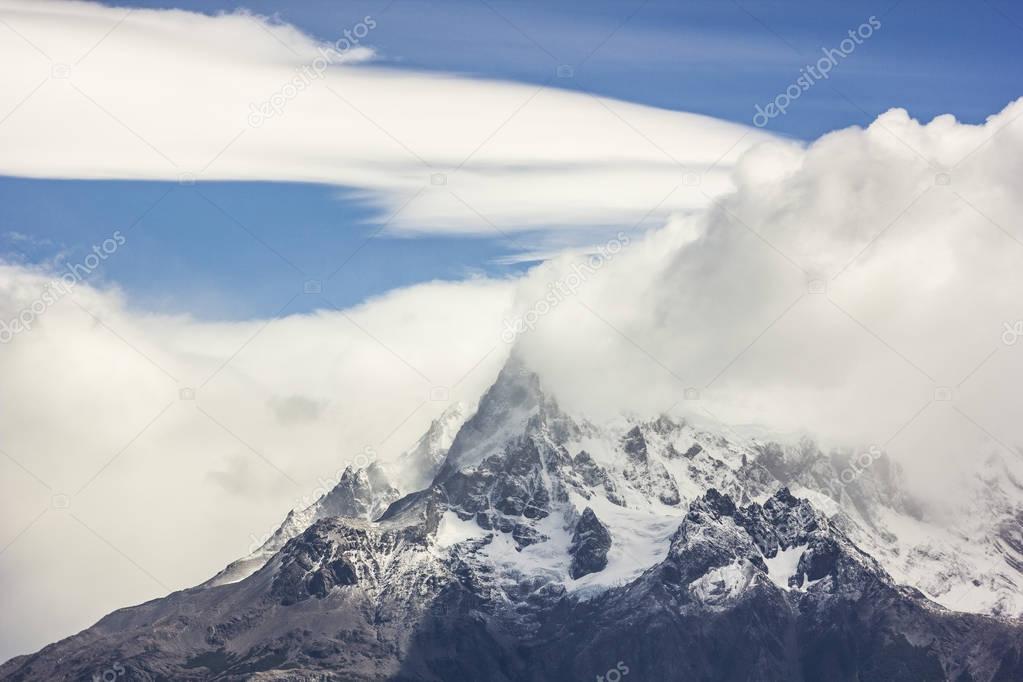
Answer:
(504, 409)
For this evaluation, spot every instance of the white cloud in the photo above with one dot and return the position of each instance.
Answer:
(93, 411)
(168, 93)
(912, 230)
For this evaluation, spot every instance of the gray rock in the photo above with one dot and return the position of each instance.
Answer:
(364, 596)
(590, 544)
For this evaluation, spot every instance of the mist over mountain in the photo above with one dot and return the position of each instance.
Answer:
(550, 546)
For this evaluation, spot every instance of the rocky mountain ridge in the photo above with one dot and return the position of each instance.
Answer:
(548, 547)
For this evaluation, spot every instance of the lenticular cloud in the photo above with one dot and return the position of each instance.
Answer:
(259, 100)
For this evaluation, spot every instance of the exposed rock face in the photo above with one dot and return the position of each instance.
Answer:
(1010, 538)
(504, 490)
(505, 410)
(731, 561)
(311, 572)
(592, 475)
(634, 446)
(714, 605)
(334, 553)
(353, 600)
(590, 544)
(359, 494)
(646, 474)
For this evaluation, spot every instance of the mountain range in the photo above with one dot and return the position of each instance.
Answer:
(516, 541)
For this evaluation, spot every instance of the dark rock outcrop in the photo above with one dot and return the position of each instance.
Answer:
(354, 600)
(591, 541)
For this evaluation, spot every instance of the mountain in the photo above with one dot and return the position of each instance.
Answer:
(546, 547)
(361, 492)
(415, 469)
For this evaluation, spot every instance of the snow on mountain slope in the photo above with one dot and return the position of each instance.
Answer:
(362, 492)
(638, 477)
(546, 541)
(522, 467)
(782, 567)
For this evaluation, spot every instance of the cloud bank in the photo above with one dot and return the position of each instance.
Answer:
(864, 288)
(142, 453)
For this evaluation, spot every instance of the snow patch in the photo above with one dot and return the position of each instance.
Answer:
(724, 582)
(548, 558)
(639, 540)
(783, 565)
(453, 530)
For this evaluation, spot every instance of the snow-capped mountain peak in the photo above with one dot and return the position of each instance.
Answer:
(545, 542)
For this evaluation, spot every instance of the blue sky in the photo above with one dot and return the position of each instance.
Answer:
(238, 250)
